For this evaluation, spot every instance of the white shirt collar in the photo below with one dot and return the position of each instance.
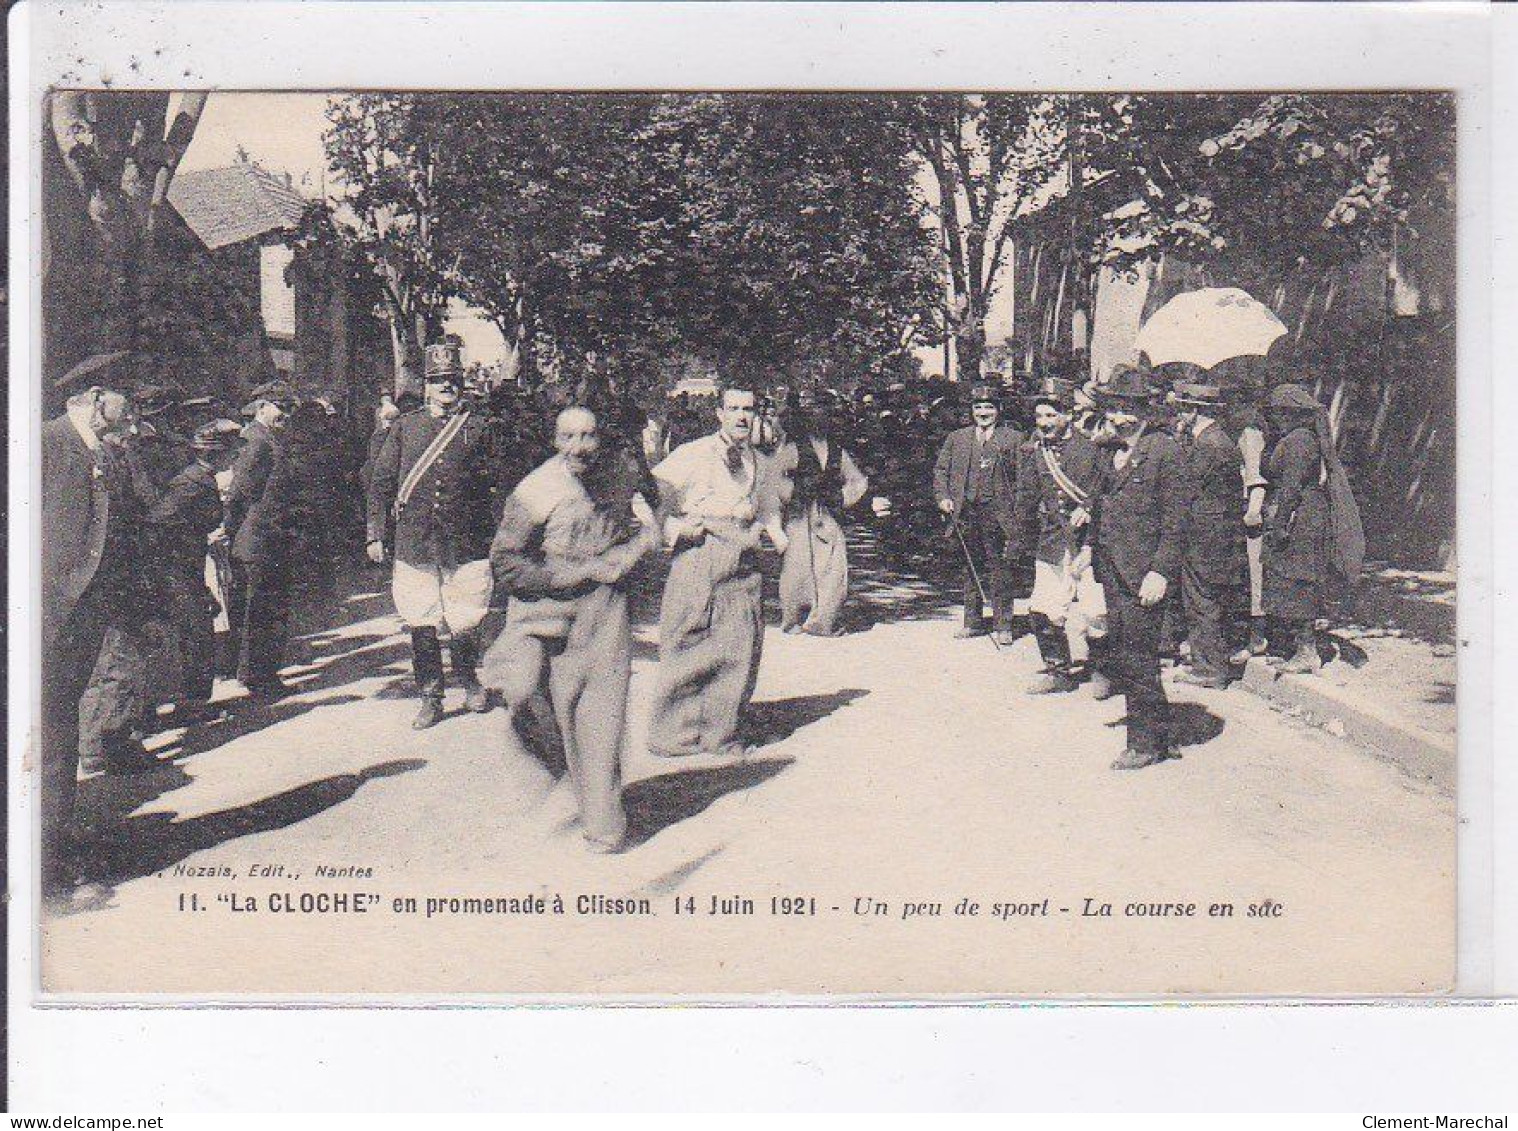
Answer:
(79, 417)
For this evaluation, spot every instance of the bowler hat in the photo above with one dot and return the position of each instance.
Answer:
(982, 393)
(1294, 397)
(93, 370)
(1127, 386)
(275, 392)
(1200, 396)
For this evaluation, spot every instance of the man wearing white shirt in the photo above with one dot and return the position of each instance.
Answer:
(714, 505)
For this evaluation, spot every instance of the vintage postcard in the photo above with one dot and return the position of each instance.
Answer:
(506, 544)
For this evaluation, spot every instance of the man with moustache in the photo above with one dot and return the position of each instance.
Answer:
(433, 478)
(974, 482)
(1214, 572)
(259, 527)
(567, 540)
(1057, 481)
(92, 580)
(714, 505)
(1137, 535)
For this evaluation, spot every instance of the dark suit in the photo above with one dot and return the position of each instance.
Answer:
(1138, 529)
(258, 524)
(188, 511)
(90, 581)
(979, 478)
(1214, 573)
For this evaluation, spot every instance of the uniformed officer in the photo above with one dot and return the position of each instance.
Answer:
(433, 475)
(1057, 479)
(1214, 575)
(185, 517)
(1137, 552)
(973, 481)
(259, 525)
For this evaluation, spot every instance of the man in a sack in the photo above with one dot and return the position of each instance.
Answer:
(432, 474)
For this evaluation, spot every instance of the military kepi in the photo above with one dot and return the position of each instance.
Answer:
(444, 363)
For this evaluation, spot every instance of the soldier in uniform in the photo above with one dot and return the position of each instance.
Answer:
(259, 526)
(432, 474)
(1136, 551)
(974, 481)
(184, 518)
(1214, 572)
(1056, 485)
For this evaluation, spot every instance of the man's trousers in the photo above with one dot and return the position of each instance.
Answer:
(1132, 661)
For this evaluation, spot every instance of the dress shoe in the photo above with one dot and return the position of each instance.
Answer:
(1101, 686)
(967, 633)
(1306, 661)
(1258, 644)
(791, 629)
(1004, 637)
(1135, 760)
(267, 691)
(477, 699)
(1052, 683)
(430, 713)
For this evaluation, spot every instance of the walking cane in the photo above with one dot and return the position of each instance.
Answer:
(974, 573)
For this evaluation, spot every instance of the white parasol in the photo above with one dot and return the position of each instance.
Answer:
(1208, 326)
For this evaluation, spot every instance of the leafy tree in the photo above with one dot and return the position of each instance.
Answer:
(991, 157)
(383, 150)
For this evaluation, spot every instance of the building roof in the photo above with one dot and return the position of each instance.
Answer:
(240, 202)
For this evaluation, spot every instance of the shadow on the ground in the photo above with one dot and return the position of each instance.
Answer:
(654, 804)
(1192, 724)
(775, 720)
(142, 845)
(244, 717)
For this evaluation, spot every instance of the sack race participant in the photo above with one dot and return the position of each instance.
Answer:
(817, 479)
(433, 477)
(562, 552)
(713, 507)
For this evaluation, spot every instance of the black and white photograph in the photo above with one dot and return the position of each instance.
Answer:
(570, 542)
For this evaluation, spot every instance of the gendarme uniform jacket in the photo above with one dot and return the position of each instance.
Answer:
(1042, 511)
(1140, 518)
(1215, 549)
(449, 518)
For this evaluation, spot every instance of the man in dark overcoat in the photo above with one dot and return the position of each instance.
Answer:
(434, 477)
(1137, 552)
(259, 526)
(1057, 480)
(974, 480)
(1215, 568)
(180, 524)
(92, 572)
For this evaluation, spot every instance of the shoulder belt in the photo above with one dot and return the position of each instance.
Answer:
(429, 457)
(1069, 487)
